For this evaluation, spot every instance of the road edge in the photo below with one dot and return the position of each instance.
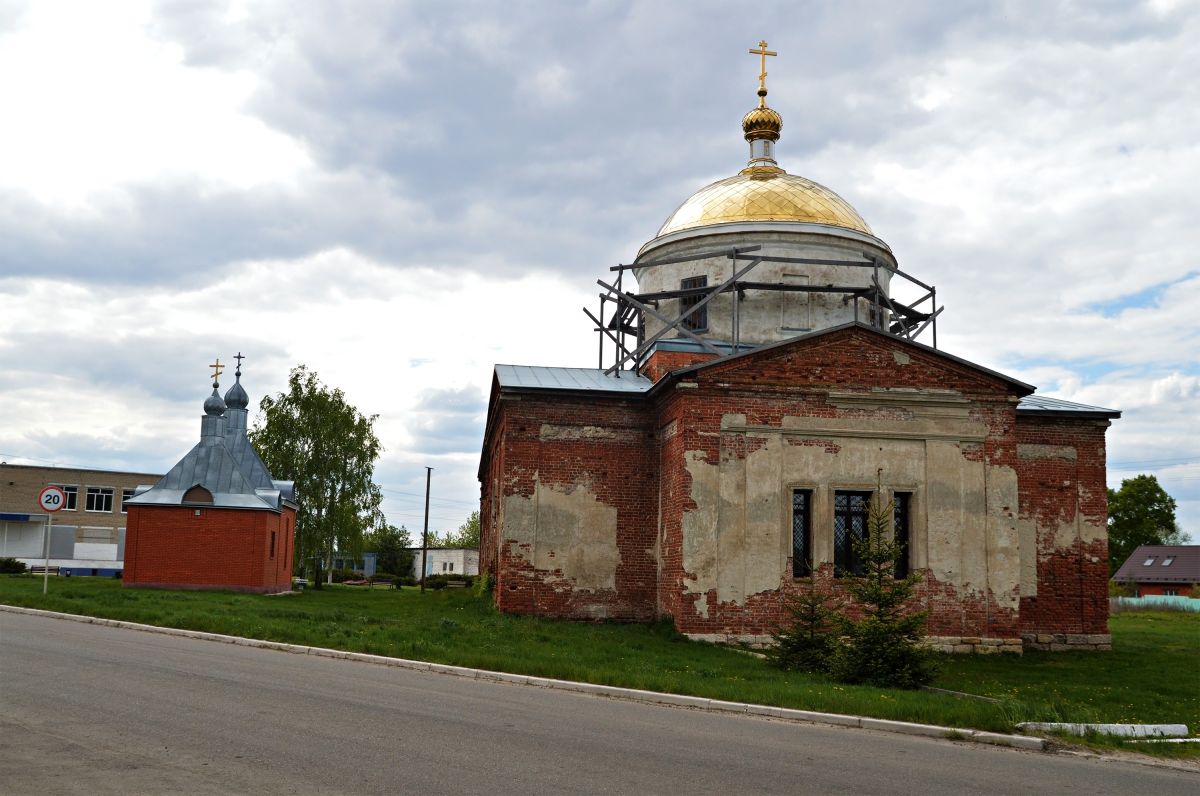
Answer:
(615, 692)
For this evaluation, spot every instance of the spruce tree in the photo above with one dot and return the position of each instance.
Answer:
(808, 641)
(882, 646)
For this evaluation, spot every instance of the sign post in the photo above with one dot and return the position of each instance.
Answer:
(50, 499)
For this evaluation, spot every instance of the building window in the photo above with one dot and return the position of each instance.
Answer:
(851, 511)
(801, 533)
(1168, 561)
(902, 529)
(451, 566)
(126, 494)
(99, 498)
(272, 544)
(1149, 561)
(698, 320)
(72, 496)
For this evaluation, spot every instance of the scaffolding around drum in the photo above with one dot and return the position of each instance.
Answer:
(625, 326)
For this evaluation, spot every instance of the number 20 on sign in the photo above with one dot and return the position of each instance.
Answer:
(52, 499)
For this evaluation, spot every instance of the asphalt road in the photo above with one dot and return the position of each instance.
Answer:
(92, 709)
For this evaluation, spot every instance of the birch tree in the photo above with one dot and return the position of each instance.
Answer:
(311, 435)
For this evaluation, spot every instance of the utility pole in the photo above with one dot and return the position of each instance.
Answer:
(425, 533)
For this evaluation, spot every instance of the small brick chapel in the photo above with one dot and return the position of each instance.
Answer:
(216, 520)
(766, 386)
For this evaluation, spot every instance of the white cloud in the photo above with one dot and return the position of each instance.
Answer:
(92, 104)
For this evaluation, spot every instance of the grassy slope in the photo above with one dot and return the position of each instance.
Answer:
(1150, 676)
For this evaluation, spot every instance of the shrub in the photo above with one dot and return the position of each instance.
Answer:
(435, 583)
(343, 575)
(11, 566)
(405, 580)
(483, 584)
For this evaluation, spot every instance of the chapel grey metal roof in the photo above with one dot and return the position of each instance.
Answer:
(223, 462)
(576, 379)
(1033, 405)
(1184, 566)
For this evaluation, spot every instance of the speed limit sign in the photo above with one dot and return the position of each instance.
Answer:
(52, 499)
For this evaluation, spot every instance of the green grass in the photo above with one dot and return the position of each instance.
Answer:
(1151, 676)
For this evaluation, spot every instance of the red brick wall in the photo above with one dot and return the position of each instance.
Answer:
(621, 471)
(171, 547)
(663, 362)
(644, 474)
(1072, 581)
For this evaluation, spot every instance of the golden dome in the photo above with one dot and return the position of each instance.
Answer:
(762, 122)
(764, 194)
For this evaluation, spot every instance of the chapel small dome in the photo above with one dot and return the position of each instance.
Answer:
(236, 397)
(213, 405)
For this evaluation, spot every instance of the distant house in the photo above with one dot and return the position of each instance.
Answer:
(363, 564)
(1170, 570)
(447, 561)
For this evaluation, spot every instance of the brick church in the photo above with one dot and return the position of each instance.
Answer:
(765, 387)
(216, 520)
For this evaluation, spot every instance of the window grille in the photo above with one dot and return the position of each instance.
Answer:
(851, 512)
(901, 529)
(698, 320)
(801, 532)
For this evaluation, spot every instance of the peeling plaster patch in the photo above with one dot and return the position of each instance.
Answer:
(700, 529)
(1031, 452)
(569, 531)
(1090, 532)
(901, 357)
(552, 432)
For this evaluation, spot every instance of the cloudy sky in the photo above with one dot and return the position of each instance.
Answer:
(400, 195)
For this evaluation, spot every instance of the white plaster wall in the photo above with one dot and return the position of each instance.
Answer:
(767, 316)
(964, 527)
(568, 530)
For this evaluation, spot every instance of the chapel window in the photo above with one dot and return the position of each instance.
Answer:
(698, 320)
(801, 532)
(902, 529)
(851, 512)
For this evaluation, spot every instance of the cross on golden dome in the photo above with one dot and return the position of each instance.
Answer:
(762, 52)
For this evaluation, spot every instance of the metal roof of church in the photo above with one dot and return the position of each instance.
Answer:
(1038, 404)
(533, 377)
